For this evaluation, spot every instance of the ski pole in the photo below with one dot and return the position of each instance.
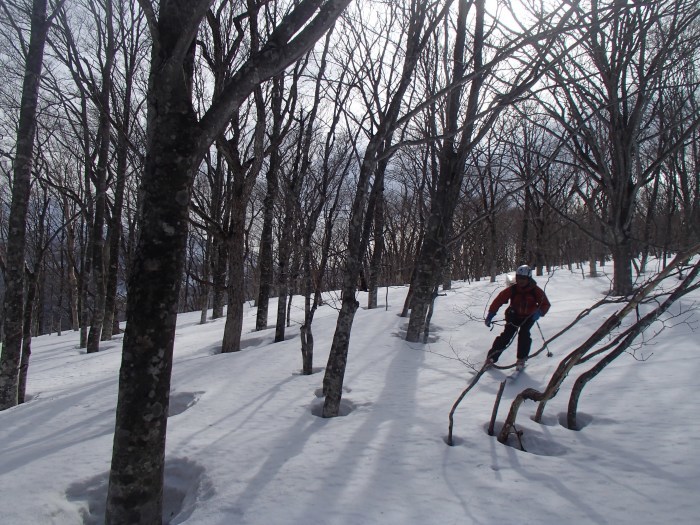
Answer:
(546, 345)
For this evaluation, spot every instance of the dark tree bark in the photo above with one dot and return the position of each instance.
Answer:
(233, 328)
(177, 143)
(98, 241)
(291, 198)
(266, 262)
(375, 266)
(17, 228)
(73, 287)
(27, 336)
(219, 259)
(525, 255)
(136, 477)
(244, 176)
(32, 286)
(375, 218)
(204, 297)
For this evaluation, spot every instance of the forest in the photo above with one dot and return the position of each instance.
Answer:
(168, 157)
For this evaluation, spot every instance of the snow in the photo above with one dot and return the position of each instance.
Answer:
(246, 444)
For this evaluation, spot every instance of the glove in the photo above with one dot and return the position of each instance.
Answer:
(489, 318)
(536, 315)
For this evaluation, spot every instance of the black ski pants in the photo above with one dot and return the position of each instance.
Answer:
(514, 323)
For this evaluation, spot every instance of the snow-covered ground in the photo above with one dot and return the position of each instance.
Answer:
(246, 446)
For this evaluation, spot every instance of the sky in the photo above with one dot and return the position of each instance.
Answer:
(246, 444)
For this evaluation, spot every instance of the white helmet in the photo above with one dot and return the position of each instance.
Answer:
(524, 271)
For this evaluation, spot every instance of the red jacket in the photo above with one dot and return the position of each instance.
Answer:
(524, 301)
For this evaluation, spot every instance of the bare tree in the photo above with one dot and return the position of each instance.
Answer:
(131, 28)
(103, 158)
(606, 96)
(418, 21)
(22, 173)
(177, 144)
(622, 343)
(81, 101)
(281, 125)
(327, 177)
(488, 93)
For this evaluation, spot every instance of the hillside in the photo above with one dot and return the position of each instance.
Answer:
(245, 446)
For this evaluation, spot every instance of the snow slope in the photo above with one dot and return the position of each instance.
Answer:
(246, 446)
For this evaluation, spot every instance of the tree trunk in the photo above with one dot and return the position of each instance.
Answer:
(358, 237)
(622, 267)
(493, 252)
(204, 297)
(307, 349)
(177, 143)
(111, 279)
(266, 238)
(83, 302)
(27, 337)
(135, 492)
(98, 241)
(592, 265)
(338, 358)
(434, 251)
(431, 260)
(73, 289)
(266, 249)
(236, 293)
(111, 323)
(524, 252)
(283, 272)
(16, 235)
(408, 302)
(375, 267)
(219, 272)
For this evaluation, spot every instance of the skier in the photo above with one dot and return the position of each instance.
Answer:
(528, 303)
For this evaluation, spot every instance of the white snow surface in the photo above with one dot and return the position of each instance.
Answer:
(246, 444)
